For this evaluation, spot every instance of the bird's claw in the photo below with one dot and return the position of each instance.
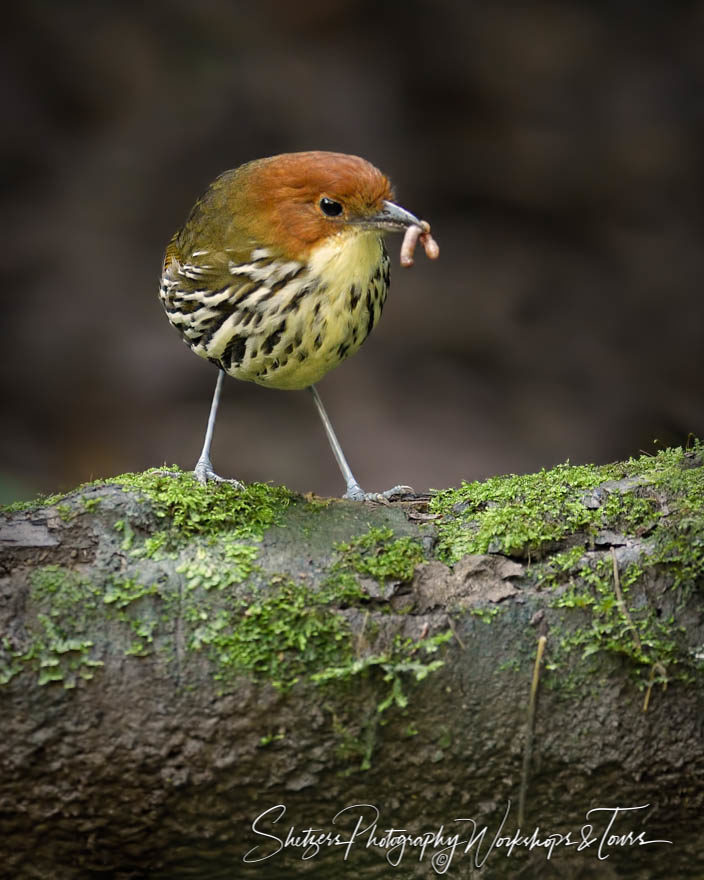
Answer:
(355, 493)
(205, 474)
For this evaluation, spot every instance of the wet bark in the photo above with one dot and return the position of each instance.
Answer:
(154, 764)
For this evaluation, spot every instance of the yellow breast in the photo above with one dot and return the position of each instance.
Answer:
(347, 277)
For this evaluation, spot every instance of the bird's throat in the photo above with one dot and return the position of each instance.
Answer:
(350, 257)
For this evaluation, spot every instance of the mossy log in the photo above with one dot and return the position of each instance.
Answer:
(193, 678)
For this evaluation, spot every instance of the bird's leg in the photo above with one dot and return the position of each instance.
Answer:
(204, 469)
(354, 491)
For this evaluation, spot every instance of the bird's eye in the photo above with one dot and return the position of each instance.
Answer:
(330, 207)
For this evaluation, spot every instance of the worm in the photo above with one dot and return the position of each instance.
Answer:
(413, 235)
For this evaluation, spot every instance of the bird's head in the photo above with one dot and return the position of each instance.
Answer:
(296, 201)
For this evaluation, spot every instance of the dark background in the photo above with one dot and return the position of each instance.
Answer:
(557, 149)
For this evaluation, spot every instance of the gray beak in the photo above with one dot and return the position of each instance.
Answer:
(394, 218)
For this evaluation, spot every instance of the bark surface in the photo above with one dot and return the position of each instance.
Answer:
(177, 663)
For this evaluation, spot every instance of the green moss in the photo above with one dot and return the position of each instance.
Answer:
(515, 514)
(485, 613)
(285, 632)
(565, 509)
(32, 504)
(679, 540)
(560, 568)
(531, 515)
(270, 738)
(187, 507)
(217, 567)
(280, 636)
(60, 647)
(208, 526)
(66, 512)
(598, 622)
(404, 657)
(61, 500)
(123, 526)
(65, 613)
(193, 509)
(290, 632)
(213, 533)
(631, 630)
(378, 555)
(141, 613)
(344, 586)
(154, 547)
(628, 513)
(123, 592)
(401, 662)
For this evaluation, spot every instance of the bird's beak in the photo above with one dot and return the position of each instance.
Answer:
(392, 217)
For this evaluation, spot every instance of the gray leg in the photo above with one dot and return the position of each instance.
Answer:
(204, 469)
(354, 491)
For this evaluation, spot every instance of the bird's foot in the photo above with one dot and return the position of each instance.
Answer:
(398, 493)
(205, 474)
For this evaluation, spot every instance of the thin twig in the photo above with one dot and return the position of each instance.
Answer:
(360, 635)
(530, 728)
(456, 634)
(622, 604)
(657, 666)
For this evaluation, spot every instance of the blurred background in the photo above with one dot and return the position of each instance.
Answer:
(556, 147)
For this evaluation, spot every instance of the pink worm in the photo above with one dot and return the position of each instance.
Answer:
(413, 235)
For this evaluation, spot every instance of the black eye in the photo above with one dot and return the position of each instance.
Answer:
(330, 208)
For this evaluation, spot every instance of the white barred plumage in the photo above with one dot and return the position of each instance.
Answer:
(280, 324)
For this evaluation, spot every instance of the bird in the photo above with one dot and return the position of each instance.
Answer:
(280, 273)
